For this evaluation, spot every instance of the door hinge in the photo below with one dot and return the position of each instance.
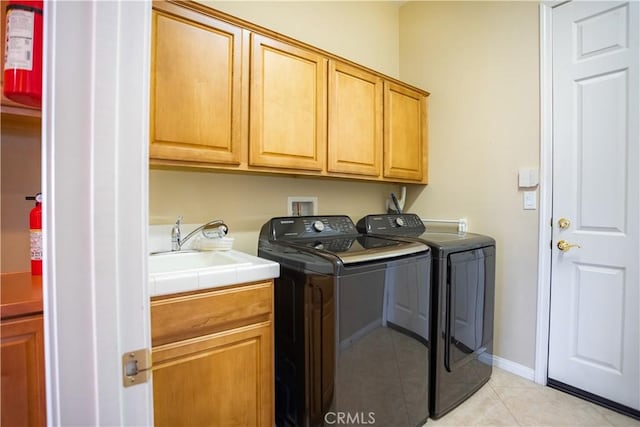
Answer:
(136, 367)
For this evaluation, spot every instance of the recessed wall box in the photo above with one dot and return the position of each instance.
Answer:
(302, 206)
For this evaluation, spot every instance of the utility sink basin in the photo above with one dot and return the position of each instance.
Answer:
(184, 271)
(167, 262)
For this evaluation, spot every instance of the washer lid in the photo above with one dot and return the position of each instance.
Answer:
(362, 248)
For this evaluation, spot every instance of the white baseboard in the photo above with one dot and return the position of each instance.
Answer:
(509, 366)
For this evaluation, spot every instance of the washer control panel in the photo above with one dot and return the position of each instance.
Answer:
(391, 224)
(312, 226)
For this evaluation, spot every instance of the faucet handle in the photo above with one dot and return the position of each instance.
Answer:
(176, 235)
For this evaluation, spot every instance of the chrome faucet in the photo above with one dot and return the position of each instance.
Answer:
(176, 235)
(210, 230)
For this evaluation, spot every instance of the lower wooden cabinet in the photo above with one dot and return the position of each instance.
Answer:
(23, 385)
(223, 376)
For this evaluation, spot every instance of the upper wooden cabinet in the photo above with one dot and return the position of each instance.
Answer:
(228, 94)
(196, 87)
(287, 106)
(405, 133)
(355, 121)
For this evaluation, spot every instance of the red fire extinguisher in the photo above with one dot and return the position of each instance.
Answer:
(23, 52)
(35, 236)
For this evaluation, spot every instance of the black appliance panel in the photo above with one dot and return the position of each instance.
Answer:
(469, 326)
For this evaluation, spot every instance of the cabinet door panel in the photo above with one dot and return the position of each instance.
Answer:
(405, 144)
(196, 88)
(22, 355)
(223, 379)
(288, 106)
(355, 121)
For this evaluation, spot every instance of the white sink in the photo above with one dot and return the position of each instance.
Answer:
(180, 261)
(173, 272)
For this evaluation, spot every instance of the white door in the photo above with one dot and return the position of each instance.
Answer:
(594, 337)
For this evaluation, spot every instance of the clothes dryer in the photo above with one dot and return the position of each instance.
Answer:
(462, 298)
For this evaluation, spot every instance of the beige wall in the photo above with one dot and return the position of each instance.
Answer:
(480, 62)
(246, 202)
(365, 32)
(20, 177)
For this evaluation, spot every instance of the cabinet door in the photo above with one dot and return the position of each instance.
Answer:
(355, 121)
(223, 379)
(287, 106)
(196, 87)
(22, 355)
(405, 133)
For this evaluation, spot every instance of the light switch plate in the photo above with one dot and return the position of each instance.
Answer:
(529, 200)
(528, 177)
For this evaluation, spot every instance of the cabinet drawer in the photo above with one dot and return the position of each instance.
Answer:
(175, 318)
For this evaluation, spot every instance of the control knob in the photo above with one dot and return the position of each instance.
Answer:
(400, 222)
(318, 225)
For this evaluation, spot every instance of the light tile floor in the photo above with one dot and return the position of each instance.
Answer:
(509, 400)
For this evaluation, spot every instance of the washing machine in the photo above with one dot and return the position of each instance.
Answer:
(462, 298)
(351, 324)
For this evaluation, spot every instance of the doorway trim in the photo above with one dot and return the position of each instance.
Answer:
(546, 192)
(95, 166)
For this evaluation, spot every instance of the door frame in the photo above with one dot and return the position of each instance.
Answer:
(545, 230)
(95, 131)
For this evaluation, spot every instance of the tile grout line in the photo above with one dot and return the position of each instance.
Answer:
(505, 405)
(546, 389)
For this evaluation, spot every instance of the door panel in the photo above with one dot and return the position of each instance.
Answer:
(405, 133)
(221, 379)
(469, 305)
(196, 88)
(601, 149)
(597, 341)
(288, 104)
(594, 338)
(355, 120)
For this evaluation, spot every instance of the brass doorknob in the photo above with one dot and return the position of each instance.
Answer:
(564, 223)
(564, 246)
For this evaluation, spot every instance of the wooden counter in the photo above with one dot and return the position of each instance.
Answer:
(20, 294)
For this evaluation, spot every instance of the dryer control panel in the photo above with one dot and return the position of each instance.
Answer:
(391, 224)
(303, 227)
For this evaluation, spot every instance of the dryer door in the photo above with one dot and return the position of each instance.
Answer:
(470, 295)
